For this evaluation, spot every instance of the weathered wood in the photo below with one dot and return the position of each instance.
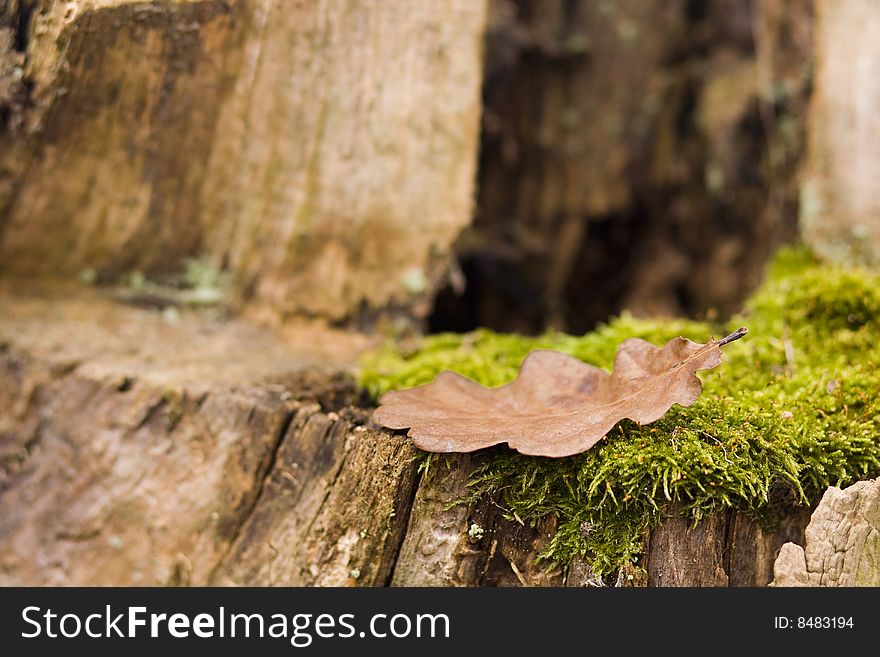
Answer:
(324, 152)
(133, 450)
(841, 545)
(148, 472)
(727, 549)
(449, 543)
(440, 549)
(752, 549)
(333, 509)
(142, 447)
(112, 153)
(683, 554)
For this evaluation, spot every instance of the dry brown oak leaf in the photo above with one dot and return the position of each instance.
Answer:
(558, 405)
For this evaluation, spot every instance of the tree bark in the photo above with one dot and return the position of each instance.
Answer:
(323, 152)
(728, 549)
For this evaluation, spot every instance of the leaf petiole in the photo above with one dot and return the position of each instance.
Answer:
(736, 335)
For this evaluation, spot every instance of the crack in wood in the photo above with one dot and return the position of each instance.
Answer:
(260, 479)
(406, 504)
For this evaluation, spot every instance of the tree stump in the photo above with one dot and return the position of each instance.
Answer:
(153, 448)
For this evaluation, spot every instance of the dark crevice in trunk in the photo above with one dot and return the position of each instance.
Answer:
(23, 24)
(625, 164)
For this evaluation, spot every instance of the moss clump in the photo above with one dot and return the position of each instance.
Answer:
(794, 408)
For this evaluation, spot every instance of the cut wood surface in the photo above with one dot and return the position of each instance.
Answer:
(153, 448)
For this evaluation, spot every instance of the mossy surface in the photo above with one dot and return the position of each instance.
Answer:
(794, 408)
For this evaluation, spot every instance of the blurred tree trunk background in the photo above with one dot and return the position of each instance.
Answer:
(634, 155)
(321, 152)
(840, 196)
(638, 155)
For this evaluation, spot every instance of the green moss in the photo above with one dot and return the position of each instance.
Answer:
(793, 409)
